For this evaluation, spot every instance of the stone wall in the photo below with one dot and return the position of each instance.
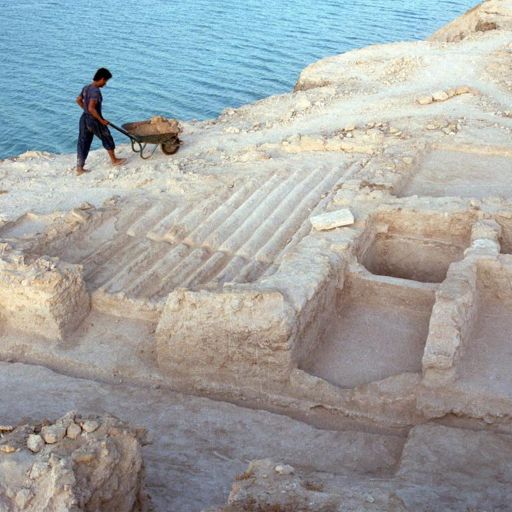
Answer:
(41, 295)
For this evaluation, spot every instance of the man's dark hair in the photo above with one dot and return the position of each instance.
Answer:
(102, 73)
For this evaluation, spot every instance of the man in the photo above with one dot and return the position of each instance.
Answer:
(92, 122)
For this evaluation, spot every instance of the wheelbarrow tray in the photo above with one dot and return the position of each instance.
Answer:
(152, 133)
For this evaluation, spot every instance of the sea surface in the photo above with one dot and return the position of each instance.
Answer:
(189, 59)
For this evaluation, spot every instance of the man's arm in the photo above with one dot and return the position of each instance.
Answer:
(80, 101)
(94, 113)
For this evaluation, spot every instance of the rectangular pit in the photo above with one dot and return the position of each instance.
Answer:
(419, 246)
(378, 329)
(411, 258)
(462, 174)
(487, 356)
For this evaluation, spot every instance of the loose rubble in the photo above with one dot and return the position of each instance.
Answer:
(40, 469)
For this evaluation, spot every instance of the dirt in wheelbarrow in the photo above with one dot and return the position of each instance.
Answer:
(157, 125)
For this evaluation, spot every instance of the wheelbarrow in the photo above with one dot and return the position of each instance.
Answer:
(141, 133)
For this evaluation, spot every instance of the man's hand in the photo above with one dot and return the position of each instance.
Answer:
(94, 113)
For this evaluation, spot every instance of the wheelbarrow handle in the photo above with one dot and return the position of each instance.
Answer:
(124, 132)
(134, 140)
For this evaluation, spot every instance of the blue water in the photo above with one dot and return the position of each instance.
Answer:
(188, 59)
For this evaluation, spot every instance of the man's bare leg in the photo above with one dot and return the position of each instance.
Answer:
(114, 159)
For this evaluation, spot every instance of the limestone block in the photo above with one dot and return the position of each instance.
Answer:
(35, 443)
(303, 143)
(463, 89)
(46, 296)
(232, 335)
(73, 431)
(53, 433)
(90, 426)
(101, 471)
(425, 100)
(440, 96)
(332, 220)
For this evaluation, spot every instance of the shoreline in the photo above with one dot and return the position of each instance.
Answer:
(399, 33)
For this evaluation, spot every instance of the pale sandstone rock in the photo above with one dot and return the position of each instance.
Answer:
(332, 220)
(53, 433)
(463, 89)
(425, 100)
(73, 431)
(66, 420)
(90, 425)
(440, 96)
(35, 443)
(284, 469)
(7, 448)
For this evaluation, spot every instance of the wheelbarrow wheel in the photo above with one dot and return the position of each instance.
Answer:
(171, 146)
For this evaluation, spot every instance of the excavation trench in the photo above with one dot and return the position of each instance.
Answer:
(378, 329)
(409, 257)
